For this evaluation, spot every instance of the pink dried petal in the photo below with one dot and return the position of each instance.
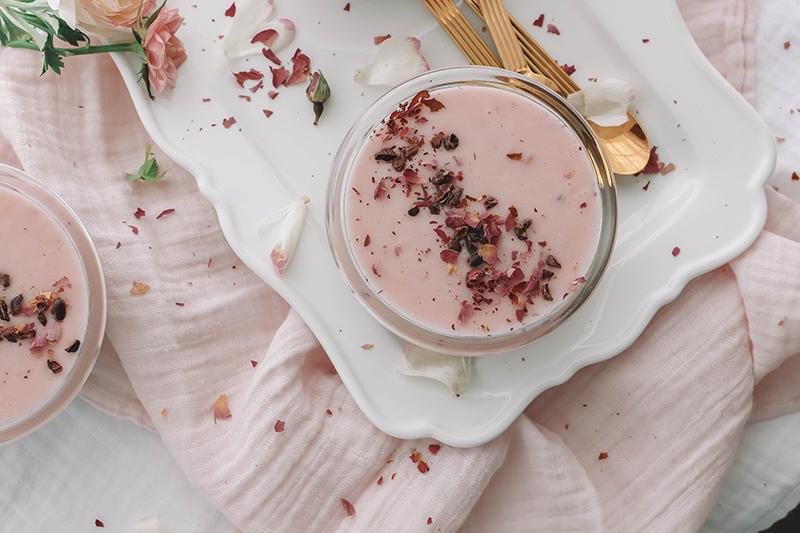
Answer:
(411, 177)
(465, 312)
(449, 256)
(269, 54)
(552, 28)
(221, 410)
(279, 76)
(539, 22)
(301, 68)
(231, 11)
(378, 39)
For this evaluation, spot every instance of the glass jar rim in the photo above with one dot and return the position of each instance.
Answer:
(48, 200)
(381, 310)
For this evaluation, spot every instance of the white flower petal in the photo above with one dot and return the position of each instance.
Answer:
(291, 220)
(396, 61)
(254, 16)
(453, 372)
(606, 102)
(148, 525)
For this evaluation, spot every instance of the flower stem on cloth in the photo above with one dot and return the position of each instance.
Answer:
(36, 24)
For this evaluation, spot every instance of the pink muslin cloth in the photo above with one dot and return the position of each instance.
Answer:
(668, 412)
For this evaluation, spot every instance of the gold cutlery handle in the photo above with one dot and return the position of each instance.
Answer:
(499, 24)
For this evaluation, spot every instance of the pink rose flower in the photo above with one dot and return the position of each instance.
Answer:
(164, 50)
(116, 13)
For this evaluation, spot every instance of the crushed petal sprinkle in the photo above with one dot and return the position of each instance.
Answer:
(139, 288)
(269, 54)
(267, 112)
(602, 456)
(434, 448)
(367, 346)
(231, 11)
(139, 213)
(98, 523)
(280, 425)
(165, 212)
(676, 252)
(378, 39)
(552, 28)
(422, 466)
(348, 507)
(253, 363)
(221, 410)
(347, 6)
(539, 22)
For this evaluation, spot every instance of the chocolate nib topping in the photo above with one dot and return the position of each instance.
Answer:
(5, 281)
(16, 305)
(4, 311)
(72, 348)
(59, 309)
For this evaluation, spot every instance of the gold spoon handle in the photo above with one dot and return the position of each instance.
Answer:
(499, 24)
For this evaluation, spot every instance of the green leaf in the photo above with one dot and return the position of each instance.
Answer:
(154, 15)
(144, 77)
(51, 57)
(148, 172)
(73, 36)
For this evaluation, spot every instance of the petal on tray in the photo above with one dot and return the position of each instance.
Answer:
(606, 102)
(253, 27)
(452, 371)
(396, 61)
(291, 219)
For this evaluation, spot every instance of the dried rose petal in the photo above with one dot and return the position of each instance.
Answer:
(348, 507)
(139, 213)
(412, 177)
(676, 251)
(301, 68)
(602, 456)
(246, 75)
(378, 39)
(539, 22)
(231, 11)
(449, 256)
(422, 466)
(99, 523)
(267, 112)
(165, 212)
(429, 521)
(434, 448)
(273, 95)
(139, 288)
(465, 311)
(265, 37)
(61, 284)
(568, 69)
(279, 76)
(415, 456)
(552, 28)
(253, 363)
(228, 122)
(280, 425)
(489, 253)
(367, 346)
(221, 410)
(380, 481)
(515, 156)
(269, 54)
(347, 6)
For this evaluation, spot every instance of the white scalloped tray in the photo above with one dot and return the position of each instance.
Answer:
(712, 207)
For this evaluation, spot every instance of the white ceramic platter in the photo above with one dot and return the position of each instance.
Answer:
(712, 207)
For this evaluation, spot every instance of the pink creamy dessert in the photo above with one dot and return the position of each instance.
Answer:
(473, 211)
(43, 305)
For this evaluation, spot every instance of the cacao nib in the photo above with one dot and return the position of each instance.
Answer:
(546, 292)
(437, 140)
(59, 309)
(42, 319)
(72, 348)
(16, 305)
(547, 274)
(54, 366)
(521, 231)
(399, 163)
(442, 178)
(5, 281)
(386, 154)
(4, 311)
(451, 142)
(490, 202)
(551, 261)
(414, 211)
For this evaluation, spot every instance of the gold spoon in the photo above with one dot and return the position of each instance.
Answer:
(626, 145)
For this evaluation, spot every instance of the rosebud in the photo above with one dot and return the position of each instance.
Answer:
(318, 93)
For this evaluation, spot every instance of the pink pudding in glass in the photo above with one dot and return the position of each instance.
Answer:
(43, 305)
(473, 211)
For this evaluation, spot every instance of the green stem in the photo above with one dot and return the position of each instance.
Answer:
(79, 51)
